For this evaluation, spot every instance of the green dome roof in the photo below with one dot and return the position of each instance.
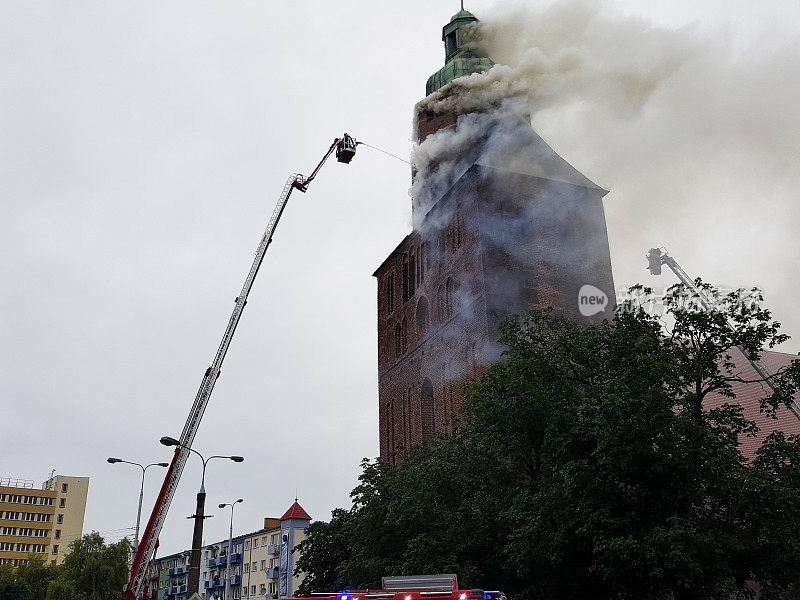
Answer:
(461, 58)
(463, 14)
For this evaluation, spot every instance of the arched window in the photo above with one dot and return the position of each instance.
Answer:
(459, 233)
(450, 292)
(412, 275)
(426, 405)
(398, 421)
(390, 293)
(441, 304)
(422, 316)
(403, 336)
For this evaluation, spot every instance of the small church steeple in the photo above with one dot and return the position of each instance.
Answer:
(460, 54)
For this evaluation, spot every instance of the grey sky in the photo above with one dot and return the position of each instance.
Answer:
(142, 148)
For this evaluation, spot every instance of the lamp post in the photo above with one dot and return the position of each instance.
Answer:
(193, 585)
(112, 460)
(230, 550)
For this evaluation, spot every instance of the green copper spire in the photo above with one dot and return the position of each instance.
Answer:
(460, 57)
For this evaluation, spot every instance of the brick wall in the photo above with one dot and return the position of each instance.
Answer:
(497, 243)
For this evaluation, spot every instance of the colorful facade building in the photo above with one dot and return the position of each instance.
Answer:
(173, 578)
(257, 566)
(41, 522)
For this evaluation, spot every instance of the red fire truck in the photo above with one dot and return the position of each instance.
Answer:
(415, 587)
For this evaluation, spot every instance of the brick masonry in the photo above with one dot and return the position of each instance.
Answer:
(496, 243)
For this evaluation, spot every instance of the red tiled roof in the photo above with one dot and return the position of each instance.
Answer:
(295, 512)
(749, 396)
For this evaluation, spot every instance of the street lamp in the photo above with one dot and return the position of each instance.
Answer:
(193, 585)
(230, 550)
(113, 461)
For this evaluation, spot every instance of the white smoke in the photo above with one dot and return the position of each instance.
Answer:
(698, 143)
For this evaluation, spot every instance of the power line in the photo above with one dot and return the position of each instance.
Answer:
(385, 152)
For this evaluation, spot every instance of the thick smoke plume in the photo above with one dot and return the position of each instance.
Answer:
(697, 141)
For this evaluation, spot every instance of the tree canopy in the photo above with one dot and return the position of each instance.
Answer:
(585, 465)
(93, 570)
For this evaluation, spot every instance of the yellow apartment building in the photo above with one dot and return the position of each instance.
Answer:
(40, 522)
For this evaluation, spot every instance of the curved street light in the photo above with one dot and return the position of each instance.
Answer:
(230, 548)
(199, 516)
(113, 461)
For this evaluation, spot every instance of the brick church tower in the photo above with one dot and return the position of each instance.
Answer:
(502, 224)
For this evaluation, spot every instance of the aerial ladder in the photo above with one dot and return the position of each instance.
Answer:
(345, 149)
(657, 257)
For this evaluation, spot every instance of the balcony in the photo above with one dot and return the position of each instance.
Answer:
(272, 573)
(222, 560)
(214, 583)
(212, 562)
(236, 558)
(181, 589)
(273, 549)
(236, 579)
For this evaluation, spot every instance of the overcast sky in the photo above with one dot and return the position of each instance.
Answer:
(142, 148)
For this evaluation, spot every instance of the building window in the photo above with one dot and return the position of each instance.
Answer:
(60, 519)
(55, 548)
(449, 295)
(405, 281)
(62, 503)
(390, 293)
(58, 534)
(450, 43)
(247, 545)
(63, 488)
(264, 541)
(459, 239)
(424, 260)
(403, 335)
(426, 405)
(412, 275)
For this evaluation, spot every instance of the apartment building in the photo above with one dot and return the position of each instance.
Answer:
(173, 576)
(256, 566)
(40, 522)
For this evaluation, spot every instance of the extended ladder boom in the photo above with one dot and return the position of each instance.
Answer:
(657, 257)
(345, 148)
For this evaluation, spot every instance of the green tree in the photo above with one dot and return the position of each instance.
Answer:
(92, 570)
(29, 581)
(584, 465)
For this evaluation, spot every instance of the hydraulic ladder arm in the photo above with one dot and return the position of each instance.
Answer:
(345, 148)
(657, 257)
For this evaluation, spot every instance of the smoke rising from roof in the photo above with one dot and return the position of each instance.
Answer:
(696, 140)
